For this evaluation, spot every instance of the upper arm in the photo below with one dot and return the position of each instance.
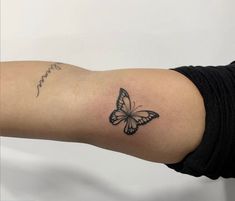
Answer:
(168, 138)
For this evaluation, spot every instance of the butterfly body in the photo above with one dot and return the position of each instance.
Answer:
(127, 113)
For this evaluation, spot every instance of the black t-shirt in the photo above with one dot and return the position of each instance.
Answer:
(215, 156)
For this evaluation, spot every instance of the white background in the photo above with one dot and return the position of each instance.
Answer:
(109, 34)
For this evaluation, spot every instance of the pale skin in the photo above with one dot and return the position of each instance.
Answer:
(74, 104)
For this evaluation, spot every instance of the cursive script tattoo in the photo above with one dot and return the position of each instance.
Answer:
(54, 66)
(127, 113)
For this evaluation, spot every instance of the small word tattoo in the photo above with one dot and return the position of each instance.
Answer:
(127, 113)
(54, 66)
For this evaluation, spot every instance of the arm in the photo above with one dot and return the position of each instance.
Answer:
(62, 102)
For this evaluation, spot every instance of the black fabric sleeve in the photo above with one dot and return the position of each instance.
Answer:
(215, 156)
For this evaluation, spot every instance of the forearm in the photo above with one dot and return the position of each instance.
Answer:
(73, 104)
(36, 99)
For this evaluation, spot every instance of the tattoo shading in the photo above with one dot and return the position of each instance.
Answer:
(127, 113)
(54, 66)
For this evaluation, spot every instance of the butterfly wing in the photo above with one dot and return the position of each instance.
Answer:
(138, 118)
(117, 116)
(131, 126)
(123, 102)
(144, 116)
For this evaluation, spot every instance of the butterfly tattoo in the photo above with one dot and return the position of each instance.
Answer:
(127, 113)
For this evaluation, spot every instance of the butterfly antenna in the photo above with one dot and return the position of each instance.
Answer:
(137, 107)
(133, 106)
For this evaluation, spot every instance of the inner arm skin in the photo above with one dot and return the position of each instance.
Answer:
(74, 105)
